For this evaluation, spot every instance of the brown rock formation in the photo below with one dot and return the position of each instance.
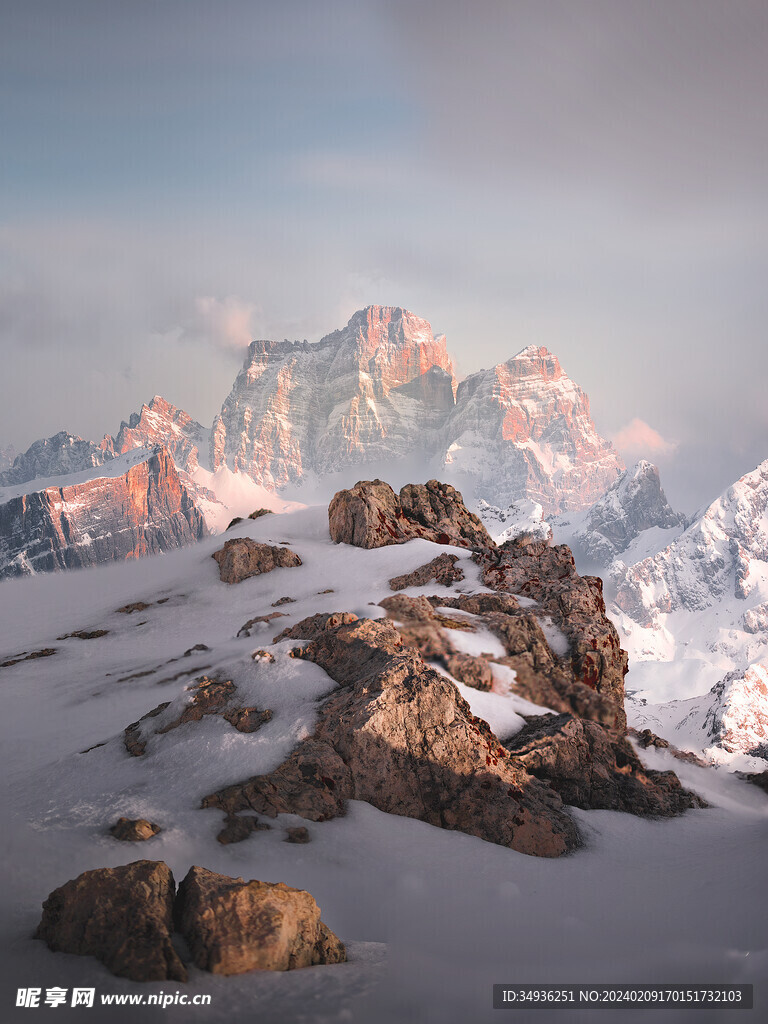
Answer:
(371, 515)
(134, 830)
(123, 916)
(232, 926)
(242, 557)
(441, 569)
(575, 603)
(398, 735)
(591, 768)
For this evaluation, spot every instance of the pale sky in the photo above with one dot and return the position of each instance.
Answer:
(179, 176)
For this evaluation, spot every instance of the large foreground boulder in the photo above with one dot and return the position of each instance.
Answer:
(232, 926)
(241, 558)
(371, 515)
(123, 916)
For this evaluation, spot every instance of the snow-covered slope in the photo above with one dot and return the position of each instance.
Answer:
(523, 517)
(428, 915)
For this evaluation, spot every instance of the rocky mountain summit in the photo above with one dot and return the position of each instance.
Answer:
(382, 389)
(59, 455)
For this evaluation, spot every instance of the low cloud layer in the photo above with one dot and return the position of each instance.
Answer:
(638, 440)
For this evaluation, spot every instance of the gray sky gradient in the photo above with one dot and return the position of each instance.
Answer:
(584, 174)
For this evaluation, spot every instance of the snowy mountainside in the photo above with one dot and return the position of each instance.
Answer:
(54, 456)
(133, 505)
(7, 456)
(160, 423)
(630, 517)
(522, 517)
(693, 617)
(419, 907)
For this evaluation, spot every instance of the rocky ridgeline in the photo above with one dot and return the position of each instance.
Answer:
(396, 732)
(145, 510)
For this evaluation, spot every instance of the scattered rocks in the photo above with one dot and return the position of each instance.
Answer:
(398, 735)
(135, 830)
(197, 647)
(266, 656)
(238, 827)
(84, 634)
(245, 630)
(234, 522)
(283, 600)
(470, 670)
(232, 926)
(123, 916)
(300, 834)
(259, 512)
(134, 743)
(441, 569)
(248, 719)
(137, 606)
(242, 558)
(371, 515)
(46, 652)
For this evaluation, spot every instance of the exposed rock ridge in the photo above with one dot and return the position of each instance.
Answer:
(54, 456)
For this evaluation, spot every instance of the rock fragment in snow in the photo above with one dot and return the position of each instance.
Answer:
(442, 570)
(241, 558)
(134, 830)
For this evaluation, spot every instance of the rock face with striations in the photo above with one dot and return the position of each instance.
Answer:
(363, 393)
(123, 916)
(523, 430)
(111, 517)
(161, 423)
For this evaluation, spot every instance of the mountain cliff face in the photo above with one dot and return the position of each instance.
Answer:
(54, 456)
(7, 456)
(161, 423)
(366, 392)
(137, 507)
(383, 388)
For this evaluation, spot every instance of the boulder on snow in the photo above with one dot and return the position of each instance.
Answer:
(441, 569)
(371, 515)
(134, 830)
(123, 916)
(232, 926)
(241, 558)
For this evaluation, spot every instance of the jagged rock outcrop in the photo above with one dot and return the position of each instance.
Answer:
(398, 735)
(522, 517)
(371, 515)
(145, 509)
(354, 397)
(123, 916)
(161, 423)
(241, 558)
(591, 768)
(232, 926)
(523, 429)
(547, 574)
(54, 456)
(635, 503)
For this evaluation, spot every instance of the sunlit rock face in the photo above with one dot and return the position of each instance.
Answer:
(366, 392)
(161, 423)
(383, 389)
(523, 429)
(118, 515)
